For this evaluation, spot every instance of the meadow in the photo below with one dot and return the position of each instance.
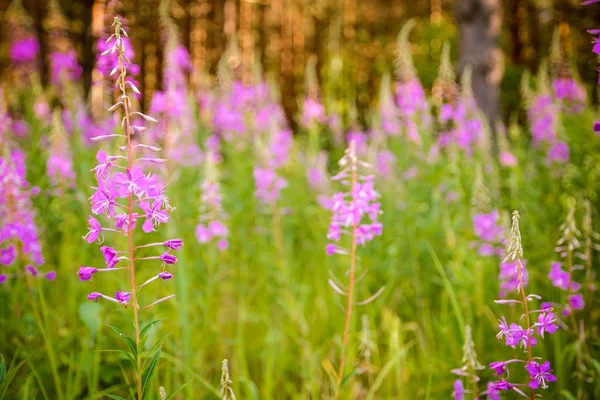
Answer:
(322, 257)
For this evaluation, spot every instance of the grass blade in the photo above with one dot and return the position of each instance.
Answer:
(149, 372)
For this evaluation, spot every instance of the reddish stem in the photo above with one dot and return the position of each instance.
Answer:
(130, 231)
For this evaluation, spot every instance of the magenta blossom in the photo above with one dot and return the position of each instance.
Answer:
(25, 50)
(546, 323)
(94, 296)
(133, 181)
(110, 256)
(86, 273)
(94, 228)
(8, 255)
(174, 244)
(459, 391)
(154, 215)
(168, 258)
(122, 297)
(165, 275)
(540, 374)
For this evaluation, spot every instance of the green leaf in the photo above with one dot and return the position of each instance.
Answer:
(350, 375)
(149, 372)
(2, 370)
(144, 331)
(567, 395)
(129, 341)
(12, 372)
(169, 397)
(114, 396)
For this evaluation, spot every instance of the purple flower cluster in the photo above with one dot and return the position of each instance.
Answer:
(570, 92)
(59, 165)
(176, 116)
(275, 142)
(19, 241)
(317, 175)
(489, 243)
(385, 164)
(118, 179)
(351, 208)
(566, 248)
(508, 277)
(313, 113)
(234, 107)
(489, 233)
(523, 336)
(412, 107)
(64, 67)
(24, 51)
(212, 224)
(542, 116)
(461, 125)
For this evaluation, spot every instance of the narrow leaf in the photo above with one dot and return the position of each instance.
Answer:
(149, 372)
(12, 371)
(172, 395)
(2, 370)
(567, 395)
(114, 396)
(350, 375)
(129, 341)
(144, 331)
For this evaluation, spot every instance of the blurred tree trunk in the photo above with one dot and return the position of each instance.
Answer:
(479, 27)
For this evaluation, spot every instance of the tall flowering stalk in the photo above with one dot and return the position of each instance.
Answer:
(411, 103)
(469, 369)
(540, 373)
(19, 240)
(177, 121)
(542, 114)
(145, 197)
(350, 210)
(565, 87)
(60, 161)
(212, 216)
(567, 248)
(20, 248)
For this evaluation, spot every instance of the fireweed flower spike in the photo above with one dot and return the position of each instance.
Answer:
(349, 213)
(514, 334)
(124, 196)
(212, 216)
(567, 248)
(19, 242)
(469, 368)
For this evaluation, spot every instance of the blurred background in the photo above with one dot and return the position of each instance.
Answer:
(353, 41)
(256, 102)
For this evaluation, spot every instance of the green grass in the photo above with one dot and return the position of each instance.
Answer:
(270, 310)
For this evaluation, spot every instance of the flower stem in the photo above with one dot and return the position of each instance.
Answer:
(130, 231)
(350, 290)
(527, 317)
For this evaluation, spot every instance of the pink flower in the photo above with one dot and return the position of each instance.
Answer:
(133, 181)
(110, 256)
(154, 215)
(507, 159)
(94, 228)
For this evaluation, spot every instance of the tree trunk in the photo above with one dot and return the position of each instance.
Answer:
(479, 26)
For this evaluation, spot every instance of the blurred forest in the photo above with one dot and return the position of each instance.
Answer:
(353, 40)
